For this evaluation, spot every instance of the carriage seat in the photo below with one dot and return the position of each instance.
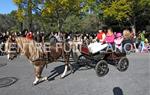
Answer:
(96, 47)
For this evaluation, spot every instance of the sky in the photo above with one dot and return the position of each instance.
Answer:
(6, 6)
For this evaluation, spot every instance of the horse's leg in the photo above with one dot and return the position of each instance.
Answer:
(43, 78)
(65, 70)
(71, 68)
(67, 64)
(38, 72)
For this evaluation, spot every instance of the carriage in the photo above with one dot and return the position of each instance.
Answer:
(101, 59)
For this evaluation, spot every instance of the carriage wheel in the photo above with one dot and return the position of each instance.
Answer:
(123, 64)
(101, 68)
(81, 60)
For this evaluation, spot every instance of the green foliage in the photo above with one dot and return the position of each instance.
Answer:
(20, 15)
(13, 29)
(6, 22)
(74, 15)
(89, 23)
(88, 4)
(18, 2)
(59, 10)
(118, 9)
(126, 12)
(72, 24)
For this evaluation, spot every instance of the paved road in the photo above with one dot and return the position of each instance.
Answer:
(135, 81)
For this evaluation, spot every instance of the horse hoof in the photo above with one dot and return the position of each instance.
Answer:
(45, 79)
(34, 84)
(61, 77)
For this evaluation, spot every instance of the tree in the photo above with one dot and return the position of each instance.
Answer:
(140, 13)
(117, 9)
(72, 24)
(55, 11)
(77, 15)
(59, 10)
(19, 13)
(89, 23)
(6, 22)
(24, 12)
(125, 10)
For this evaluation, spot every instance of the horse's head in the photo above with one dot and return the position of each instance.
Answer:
(11, 47)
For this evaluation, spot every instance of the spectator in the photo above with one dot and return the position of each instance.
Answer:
(1, 37)
(24, 32)
(52, 39)
(147, 45)
(142, 37)
(43, 37)
(134, 40)
(38, 37)
(1, 42)
(6, 36)
(29, 36)
(56, 35)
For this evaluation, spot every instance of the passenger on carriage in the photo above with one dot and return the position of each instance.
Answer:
(127, 43)
(101, 36)
(98, 46)
(118, 40)
(110, 37)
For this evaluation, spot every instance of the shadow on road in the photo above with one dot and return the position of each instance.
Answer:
(57, 71)
(117, 91)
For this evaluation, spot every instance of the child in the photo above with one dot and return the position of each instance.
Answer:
(147, 46)
(118, 40)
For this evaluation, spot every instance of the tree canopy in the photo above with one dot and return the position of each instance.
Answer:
(77, 15)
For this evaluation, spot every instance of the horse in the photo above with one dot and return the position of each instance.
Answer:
(36, 55)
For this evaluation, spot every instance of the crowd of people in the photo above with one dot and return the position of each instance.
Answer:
(105, 35)
(138, 40)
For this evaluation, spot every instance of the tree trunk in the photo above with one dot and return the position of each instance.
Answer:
(134, 25)
(21, 26)
(30, 15)
(60, 24)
